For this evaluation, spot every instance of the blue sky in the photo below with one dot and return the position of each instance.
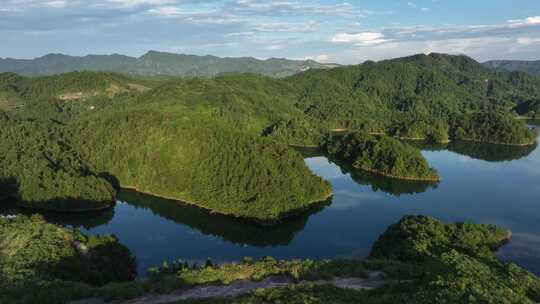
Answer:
(325, 30)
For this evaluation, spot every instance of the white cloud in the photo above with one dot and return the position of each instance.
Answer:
(291, 27)
(56, 4)
(195, 16)
(131, 3)
(319, 58)
(274, 47)
(533, 20)
(527, 21)
(528, 40)
(360, 39)
(166, 11)
(294, 7)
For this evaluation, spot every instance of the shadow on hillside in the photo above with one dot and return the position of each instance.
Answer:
(238, 231)
(8, 189)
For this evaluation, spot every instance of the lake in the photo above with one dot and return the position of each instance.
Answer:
(480, 183)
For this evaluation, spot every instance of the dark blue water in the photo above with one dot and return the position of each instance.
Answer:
(480, 183)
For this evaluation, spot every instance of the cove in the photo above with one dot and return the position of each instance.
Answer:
(479, 183)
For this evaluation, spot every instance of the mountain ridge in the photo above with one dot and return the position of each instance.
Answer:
(527, 66)
(157, 63)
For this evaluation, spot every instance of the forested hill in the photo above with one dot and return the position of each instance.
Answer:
(221, 143)
(432, 96)
(531, 67)
(158, 63)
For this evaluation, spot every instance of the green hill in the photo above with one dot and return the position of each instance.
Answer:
(421, 96)
(158, 63)
(184, 141)
(381, 155)
(70, 86)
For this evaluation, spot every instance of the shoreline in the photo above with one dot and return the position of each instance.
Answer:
(85, 210)
(445, 141)
(263, 222)
(303, 146)
(419, 179)
(499, 143)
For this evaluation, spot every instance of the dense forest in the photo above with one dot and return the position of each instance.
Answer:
(493, 127)
(381, 155)
(40, 167)
(37, 255)
(222, 143)
(420, 257)
(422, 96)
(186, 154)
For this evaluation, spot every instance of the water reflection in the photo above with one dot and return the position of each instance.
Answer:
(377, 183)
(234, 230)
(481, 151)
(86, 220)
(525, 248)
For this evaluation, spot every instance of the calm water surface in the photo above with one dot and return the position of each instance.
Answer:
(480, 183)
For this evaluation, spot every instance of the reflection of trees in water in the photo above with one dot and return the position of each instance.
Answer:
(308, 152)
(490, 152)
(534, 123)
(87, 219)
(235, 230)
(388, 185)
(482, 151)
(392, 186)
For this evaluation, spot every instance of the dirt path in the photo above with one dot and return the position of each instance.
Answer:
(241, 287)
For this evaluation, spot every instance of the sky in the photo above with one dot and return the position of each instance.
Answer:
(325, 30)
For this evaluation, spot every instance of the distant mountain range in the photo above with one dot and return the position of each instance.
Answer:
(531, 67)
(158, 63)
